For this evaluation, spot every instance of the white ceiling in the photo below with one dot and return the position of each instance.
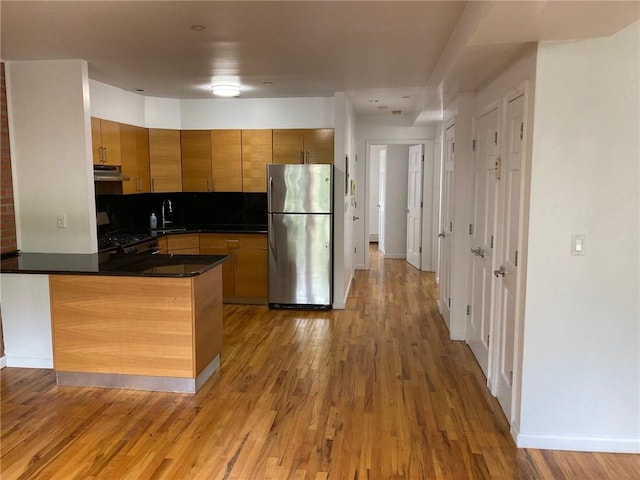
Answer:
(379, 52)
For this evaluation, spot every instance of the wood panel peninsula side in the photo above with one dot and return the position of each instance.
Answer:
(148, 322)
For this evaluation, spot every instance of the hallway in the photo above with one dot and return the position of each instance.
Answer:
(376, 391)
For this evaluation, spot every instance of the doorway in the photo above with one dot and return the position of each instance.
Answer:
(386, 205)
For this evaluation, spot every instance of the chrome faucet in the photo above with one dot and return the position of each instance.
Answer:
(169, 209)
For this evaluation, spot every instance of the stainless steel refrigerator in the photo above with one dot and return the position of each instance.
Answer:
(300, 230)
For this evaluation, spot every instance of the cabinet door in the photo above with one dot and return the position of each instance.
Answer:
(252, 265)
(318, 145)
(226, 160)
(184, 242)
(196, 160)
(256, 154)
(105, 142)
(142, 154)
(219, 244)
(96, 140)
(288, 146)
(134, 145)
(164, 160)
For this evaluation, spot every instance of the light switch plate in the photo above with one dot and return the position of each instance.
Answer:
(577, 244)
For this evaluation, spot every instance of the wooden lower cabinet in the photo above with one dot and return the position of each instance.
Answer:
(219, 244)
(158, 327)
(184, 244)
(251, 269)
(245, 273)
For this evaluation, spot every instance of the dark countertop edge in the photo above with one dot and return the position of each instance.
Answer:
(179, 230)
(194, 273)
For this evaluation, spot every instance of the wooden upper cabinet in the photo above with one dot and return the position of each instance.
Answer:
(196, 161)
(288, 146)
(134, 144)
(257, 148)
(303, 146)
(318, 145)
(165, 160)
(105, 140)
(226, 160)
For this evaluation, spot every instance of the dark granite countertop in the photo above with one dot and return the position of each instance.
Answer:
(111, 264)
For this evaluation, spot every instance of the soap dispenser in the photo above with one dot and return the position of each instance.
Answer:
(153, 221)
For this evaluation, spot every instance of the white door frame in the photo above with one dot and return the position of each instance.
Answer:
(427, 144)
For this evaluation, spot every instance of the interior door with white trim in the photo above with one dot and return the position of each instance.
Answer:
(414, 206)
(507, 262)
(446, 225)
(482, 237)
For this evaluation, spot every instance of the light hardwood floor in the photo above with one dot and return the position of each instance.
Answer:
(376, 391)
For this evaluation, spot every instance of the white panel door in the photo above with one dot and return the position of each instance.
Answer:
(507, 251)
(414, 206)
(482, 239)
(446, 225)
(382, 193)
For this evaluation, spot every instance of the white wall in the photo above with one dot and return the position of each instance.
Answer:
(343, 204)
(581, 358)
(113, 103)
(50, 128)
(116, 104)
(395, 216)
(373, 132)
(26, 320)
(258, 113)
(162, 113)
(374, 191)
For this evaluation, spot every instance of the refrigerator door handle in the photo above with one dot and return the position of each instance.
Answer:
(272, 244)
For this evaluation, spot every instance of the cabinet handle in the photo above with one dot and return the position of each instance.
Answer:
(307, 159)
(106, 155)
(153, 185)
(102, 155)
(301, 156)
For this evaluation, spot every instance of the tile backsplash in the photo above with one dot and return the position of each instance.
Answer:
(215, 208)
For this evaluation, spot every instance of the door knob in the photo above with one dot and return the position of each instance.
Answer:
(478, 252)
(355, 218)
(501, 272)
(442, 235)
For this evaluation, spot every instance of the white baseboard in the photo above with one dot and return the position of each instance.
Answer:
(29, 362)
(373, 237)
(3, 362)
(395, 255)
(577, 443)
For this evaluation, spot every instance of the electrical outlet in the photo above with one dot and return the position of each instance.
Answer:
(62, 220)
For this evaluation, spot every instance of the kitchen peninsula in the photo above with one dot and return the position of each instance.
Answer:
(150, 322)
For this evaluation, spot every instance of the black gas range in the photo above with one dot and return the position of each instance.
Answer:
(125, 242)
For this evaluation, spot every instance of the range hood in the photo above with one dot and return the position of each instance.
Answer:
(108, 173)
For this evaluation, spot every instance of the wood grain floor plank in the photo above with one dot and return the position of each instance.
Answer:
(375, 391)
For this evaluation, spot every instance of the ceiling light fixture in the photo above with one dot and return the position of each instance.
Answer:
(396, 112)
(266, 84)
(226, 90)
(198, 28)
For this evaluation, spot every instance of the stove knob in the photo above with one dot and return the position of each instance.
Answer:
(134, 250)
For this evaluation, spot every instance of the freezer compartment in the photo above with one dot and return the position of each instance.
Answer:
(300, 188)
(300, 260)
